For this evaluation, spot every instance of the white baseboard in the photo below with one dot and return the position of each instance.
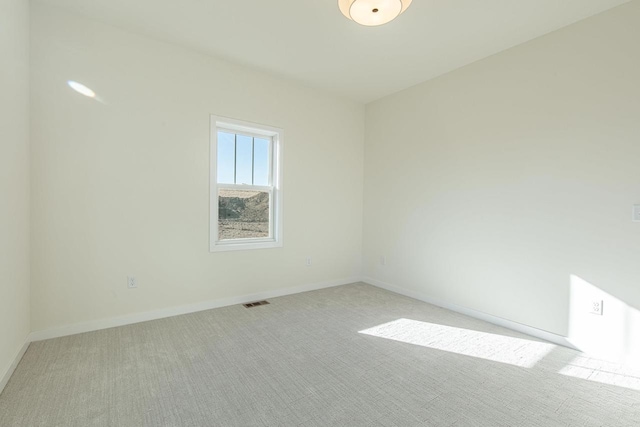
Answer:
(96, 325)
(18, 357)
(509, 324)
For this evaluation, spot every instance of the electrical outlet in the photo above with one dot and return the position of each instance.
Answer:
(308, 261)
(596, 307)
(636, 213)
(132, 282)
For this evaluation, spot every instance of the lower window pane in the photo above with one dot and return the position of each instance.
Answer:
(243, 214)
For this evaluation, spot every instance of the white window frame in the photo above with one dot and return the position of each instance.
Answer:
(276, 135)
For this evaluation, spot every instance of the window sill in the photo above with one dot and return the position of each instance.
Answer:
(244, 246)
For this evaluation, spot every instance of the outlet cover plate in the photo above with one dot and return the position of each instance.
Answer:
(132, 283)
(596, 307)
(636, 213)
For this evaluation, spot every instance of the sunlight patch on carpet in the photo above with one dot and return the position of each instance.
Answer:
(483, 345)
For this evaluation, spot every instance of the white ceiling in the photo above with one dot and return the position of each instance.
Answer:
(312, 42)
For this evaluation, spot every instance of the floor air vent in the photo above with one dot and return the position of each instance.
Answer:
(255, 304)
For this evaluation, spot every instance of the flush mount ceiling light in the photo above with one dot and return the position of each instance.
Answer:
(372, 12)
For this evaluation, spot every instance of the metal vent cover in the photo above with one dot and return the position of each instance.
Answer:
(255, 304)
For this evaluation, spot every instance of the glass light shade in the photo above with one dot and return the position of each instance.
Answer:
(372, 12)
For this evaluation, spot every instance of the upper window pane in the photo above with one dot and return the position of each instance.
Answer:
(260, 161)
(244, 160)
(226, 157)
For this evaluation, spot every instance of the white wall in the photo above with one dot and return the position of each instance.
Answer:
(491, 186)
(505, 186)
(120, 187)
(14, 180)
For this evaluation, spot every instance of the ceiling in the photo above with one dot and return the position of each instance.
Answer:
(312, 42)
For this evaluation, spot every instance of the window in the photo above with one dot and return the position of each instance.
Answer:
(246, 186)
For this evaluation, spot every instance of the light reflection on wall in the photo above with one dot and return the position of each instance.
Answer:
(612, 335)
(81, 89)
(85, 90)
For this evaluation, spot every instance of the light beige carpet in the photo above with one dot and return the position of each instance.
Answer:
(352, 355)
